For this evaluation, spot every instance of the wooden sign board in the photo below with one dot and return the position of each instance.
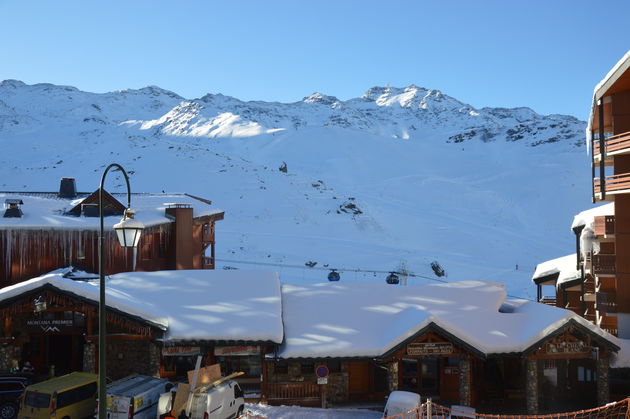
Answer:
(430, 348)
(574, 347)
(206, 374)
(181, 398)
(50, 325)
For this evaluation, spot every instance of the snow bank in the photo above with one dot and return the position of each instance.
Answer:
(46, 210)
(565, 267)
(368, 320)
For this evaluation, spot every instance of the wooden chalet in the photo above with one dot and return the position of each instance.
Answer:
(43, 231)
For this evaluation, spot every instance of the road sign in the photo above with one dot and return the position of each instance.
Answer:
(322, 371)
(322, 381)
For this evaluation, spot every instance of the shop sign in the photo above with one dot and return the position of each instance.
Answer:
(236, 350)
(575, 347)
(430, 348)
(181, 350)
(50, 325)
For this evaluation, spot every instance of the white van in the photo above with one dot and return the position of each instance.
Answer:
(223, 401)
(135, 396)
(403, 403)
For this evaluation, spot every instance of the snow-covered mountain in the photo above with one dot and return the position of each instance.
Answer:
(398, 176)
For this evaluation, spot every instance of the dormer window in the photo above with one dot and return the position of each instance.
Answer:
(12, 208)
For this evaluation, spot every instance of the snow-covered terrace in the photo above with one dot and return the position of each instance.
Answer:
(557, 271)
(47, 210)
(371, 320)
(587, 217)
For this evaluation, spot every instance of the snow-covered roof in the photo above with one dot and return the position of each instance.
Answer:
(88, 290)
(587, 217)
(368, 320)
(202, 304)
(47, 210)
(565, 267)
(191, 305)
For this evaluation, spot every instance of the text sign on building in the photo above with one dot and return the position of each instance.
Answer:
(181, 350)
(50, 325)
(430, 348)
(576, 347)
(236, 350)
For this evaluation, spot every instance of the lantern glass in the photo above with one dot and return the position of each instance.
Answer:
(129, 230)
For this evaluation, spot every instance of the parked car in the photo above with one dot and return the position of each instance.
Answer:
(11, 389)
(403, 403)
(69, 396)
(135, 396)
(222, 401)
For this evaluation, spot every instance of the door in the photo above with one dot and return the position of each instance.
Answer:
(420, 375)
(358, 379)
(449, 380)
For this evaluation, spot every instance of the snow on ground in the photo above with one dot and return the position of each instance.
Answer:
(400, 176)
(295, 412)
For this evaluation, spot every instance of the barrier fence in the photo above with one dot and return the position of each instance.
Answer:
(430, 410)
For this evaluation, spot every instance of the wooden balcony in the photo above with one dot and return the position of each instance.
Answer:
(617, 144)
(613, 184)
(603, 264)
(604, 225)
(208, 262)
(606, 302)
(550, 301)
(302, 393)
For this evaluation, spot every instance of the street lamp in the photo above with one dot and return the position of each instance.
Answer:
(128, 232)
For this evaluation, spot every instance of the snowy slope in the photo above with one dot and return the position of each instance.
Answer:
(399, 175)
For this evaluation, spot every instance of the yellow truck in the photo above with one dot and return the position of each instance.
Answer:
(71, 396)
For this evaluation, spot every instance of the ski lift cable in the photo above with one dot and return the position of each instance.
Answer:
(360, 270)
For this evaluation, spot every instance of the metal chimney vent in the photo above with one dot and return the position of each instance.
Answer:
(67, 188)
(12, 208)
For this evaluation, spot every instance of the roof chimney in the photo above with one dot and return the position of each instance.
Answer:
(67, 188)
(13, 208)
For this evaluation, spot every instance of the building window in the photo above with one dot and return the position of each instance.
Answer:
(308, 368)
(250, 365)
(334, 365)
(281, 367)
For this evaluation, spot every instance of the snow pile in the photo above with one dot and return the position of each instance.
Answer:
(368, 320)
(565, 267)
(47, 211)
(296, 412)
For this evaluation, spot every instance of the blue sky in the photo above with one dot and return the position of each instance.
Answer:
(547, 55)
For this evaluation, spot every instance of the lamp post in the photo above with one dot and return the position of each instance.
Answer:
(128, 232)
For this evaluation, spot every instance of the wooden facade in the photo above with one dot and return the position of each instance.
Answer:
(568, 368)
(186, 242)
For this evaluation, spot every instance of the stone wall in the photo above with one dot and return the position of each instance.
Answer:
(603, 393)
(531, 385)
(9, 357)
(89, 357)
(132, 356)
(392, 376)
(465, 393)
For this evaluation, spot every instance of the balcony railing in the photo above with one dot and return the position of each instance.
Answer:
(589, 285)
(612, 183)
(550, 301)
(604, 225)
(603, 264)
(612, 144)
(208, 262)
(606, 302)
